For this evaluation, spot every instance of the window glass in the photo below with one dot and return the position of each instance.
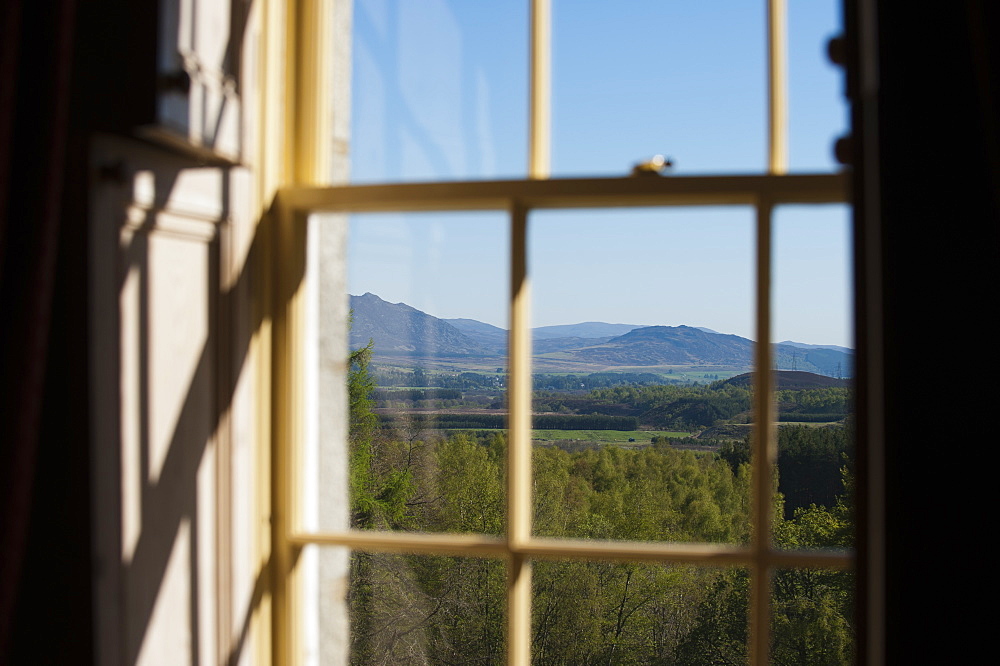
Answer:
(641, 368)
(439, 90)
(817, 108)
(602, 612)
(812, 618)
(815, 392)
(812, 290)
(428, 380)
(631, 80)
(637, 434)
(423, 609)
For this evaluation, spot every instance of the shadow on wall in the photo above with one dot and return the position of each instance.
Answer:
(180, 348)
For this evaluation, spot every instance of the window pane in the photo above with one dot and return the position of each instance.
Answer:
(817, 107)
(604, 613)
(641, 372)
(428, 415)
(812, 619)
(815, 361)
(812, 285)
(440, 90)
(631, 80)
(422, 609)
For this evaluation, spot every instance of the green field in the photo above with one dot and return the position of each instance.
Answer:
(604, 436)
(812, 424)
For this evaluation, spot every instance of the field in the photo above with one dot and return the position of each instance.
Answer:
(551, 364)
(602, 436)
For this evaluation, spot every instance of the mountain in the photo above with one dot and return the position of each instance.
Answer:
(587, 329)
(398, 329)
(687, 345)
(473, 326)
(487, 335)
(550, 345)
(667, 345)
(822, 360)
(802, 345)
(546, 338)
(401, 330)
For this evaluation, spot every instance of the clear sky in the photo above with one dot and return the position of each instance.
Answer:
(440, 92)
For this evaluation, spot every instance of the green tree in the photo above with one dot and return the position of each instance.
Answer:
(379, 490)
(813, 608)
(719, 634)
(470, 487)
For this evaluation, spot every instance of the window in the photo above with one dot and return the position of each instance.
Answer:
(300, 211)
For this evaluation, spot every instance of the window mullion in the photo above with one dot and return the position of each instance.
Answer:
(519, 443)
(764, 449)
(540, 93)
(777, 87)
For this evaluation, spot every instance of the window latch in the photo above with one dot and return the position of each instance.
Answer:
(657, 165)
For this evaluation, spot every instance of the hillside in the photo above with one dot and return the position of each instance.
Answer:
(487, 335)
(545, 339)
(398, 329)
(792, 380)
(667, 345)
(587, 329)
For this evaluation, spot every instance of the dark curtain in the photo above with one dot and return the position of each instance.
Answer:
(45, 572)
(927, 188)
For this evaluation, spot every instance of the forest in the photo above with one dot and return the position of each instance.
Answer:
(418, 609)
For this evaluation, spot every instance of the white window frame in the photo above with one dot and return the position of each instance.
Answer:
(299, 199)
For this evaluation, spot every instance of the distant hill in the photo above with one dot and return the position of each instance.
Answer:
(474, 326)
(793, 380)
(487, 335)
(401, 330)
(802, 345)
(686, 345)
(545, 338)
(822, 360)
(667, 345)
(550, 345)
(398, 329)
(587, 329)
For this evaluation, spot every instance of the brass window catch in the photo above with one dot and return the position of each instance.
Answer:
(657, 165)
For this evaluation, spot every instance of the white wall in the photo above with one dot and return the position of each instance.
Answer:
(179, 349)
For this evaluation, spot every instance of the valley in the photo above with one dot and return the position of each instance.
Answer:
(636, 437)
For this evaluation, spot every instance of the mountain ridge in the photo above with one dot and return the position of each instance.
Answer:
(400, 330)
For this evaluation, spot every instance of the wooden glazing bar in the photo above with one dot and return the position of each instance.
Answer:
(472, 545)
(518, 610)
(571, 193)
(764, 449)
(707, 554)
(777, 87)
(519, 479)
(540, 92)
(481, 545)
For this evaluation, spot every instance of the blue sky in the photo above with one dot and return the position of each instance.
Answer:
(440, 92)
